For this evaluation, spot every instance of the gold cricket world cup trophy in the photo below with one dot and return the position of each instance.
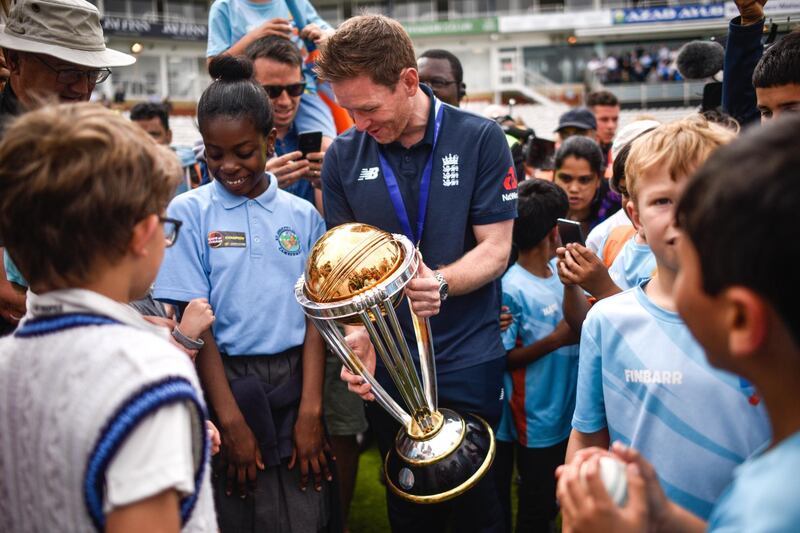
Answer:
(355, 275)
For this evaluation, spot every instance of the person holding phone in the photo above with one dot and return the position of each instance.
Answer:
(579, 167)
(298, 155)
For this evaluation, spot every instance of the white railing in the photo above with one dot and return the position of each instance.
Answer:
(645, 94)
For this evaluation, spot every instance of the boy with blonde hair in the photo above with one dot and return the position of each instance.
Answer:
(643, 380)
(104, 419)
(746, 320)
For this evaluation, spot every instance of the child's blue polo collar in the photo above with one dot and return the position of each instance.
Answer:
(266, 199)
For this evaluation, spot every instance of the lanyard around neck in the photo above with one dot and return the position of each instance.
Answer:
(424, 185)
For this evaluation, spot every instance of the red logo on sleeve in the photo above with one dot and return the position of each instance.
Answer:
(510, 183)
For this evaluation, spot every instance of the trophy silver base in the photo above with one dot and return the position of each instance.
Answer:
(444, 465)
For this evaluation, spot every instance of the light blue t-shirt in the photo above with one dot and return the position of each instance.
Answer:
(245, 256)
(634, 264)
(644, 377)
(540, 397)
(230, 20)
(763, 495)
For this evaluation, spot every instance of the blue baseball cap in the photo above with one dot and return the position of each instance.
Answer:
(579, 117)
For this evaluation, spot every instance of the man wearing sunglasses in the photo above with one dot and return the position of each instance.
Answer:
(277, 67)
(53, 49)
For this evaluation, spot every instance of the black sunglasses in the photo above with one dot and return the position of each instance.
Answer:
(171, 229)
(295, 89)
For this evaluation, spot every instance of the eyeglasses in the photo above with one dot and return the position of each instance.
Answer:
(438, 83)
(70, 76)
(294, 89)
(171, 229)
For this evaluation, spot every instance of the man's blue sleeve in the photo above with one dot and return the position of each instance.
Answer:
(315, 115)
(590, 409)
(743, 51)
(494, 197)
(337, 210)
(219, 29)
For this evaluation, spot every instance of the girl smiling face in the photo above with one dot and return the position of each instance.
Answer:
(237, 154)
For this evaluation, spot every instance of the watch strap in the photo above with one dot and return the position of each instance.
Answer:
(187, 342)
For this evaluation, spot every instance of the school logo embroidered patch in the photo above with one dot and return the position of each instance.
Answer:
(288, 243)
(368, 174)
(226, 239)
(450, 170)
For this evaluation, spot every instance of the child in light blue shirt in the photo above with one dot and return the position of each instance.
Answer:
(235, 24)
(634, 264)
(540, 384)
(245, 245)
(643, 379)
(747, 321)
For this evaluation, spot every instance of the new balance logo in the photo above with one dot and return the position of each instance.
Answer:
(368, 174)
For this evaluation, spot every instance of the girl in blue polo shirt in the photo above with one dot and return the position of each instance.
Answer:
(245, 245)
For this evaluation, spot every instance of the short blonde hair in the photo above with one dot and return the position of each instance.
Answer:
(74, 181)
(680, 146)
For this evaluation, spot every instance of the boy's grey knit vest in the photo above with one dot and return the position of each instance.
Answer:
(70, 395)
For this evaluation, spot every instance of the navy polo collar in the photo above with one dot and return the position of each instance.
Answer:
(429, 127)
(266, 199)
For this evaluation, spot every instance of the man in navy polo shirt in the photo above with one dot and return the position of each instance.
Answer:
(443, 177)
(278, 66)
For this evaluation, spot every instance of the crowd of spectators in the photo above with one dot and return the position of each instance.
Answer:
(641, 65)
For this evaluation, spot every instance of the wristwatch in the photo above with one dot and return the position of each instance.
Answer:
(443, 286)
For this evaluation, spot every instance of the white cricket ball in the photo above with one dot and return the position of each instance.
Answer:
(614, 478)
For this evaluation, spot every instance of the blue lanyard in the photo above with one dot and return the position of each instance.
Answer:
(424, 185)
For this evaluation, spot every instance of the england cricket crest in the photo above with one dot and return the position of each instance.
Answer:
(450, 170)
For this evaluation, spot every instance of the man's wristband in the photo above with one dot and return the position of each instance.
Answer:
(186, 342)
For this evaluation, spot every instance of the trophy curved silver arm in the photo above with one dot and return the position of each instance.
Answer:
(357, 275)
(427, 359)
(333, 337)
(375, 310)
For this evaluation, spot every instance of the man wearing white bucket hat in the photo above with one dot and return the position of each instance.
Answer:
(53, 48)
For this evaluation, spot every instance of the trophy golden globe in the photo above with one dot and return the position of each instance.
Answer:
(355, 275)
